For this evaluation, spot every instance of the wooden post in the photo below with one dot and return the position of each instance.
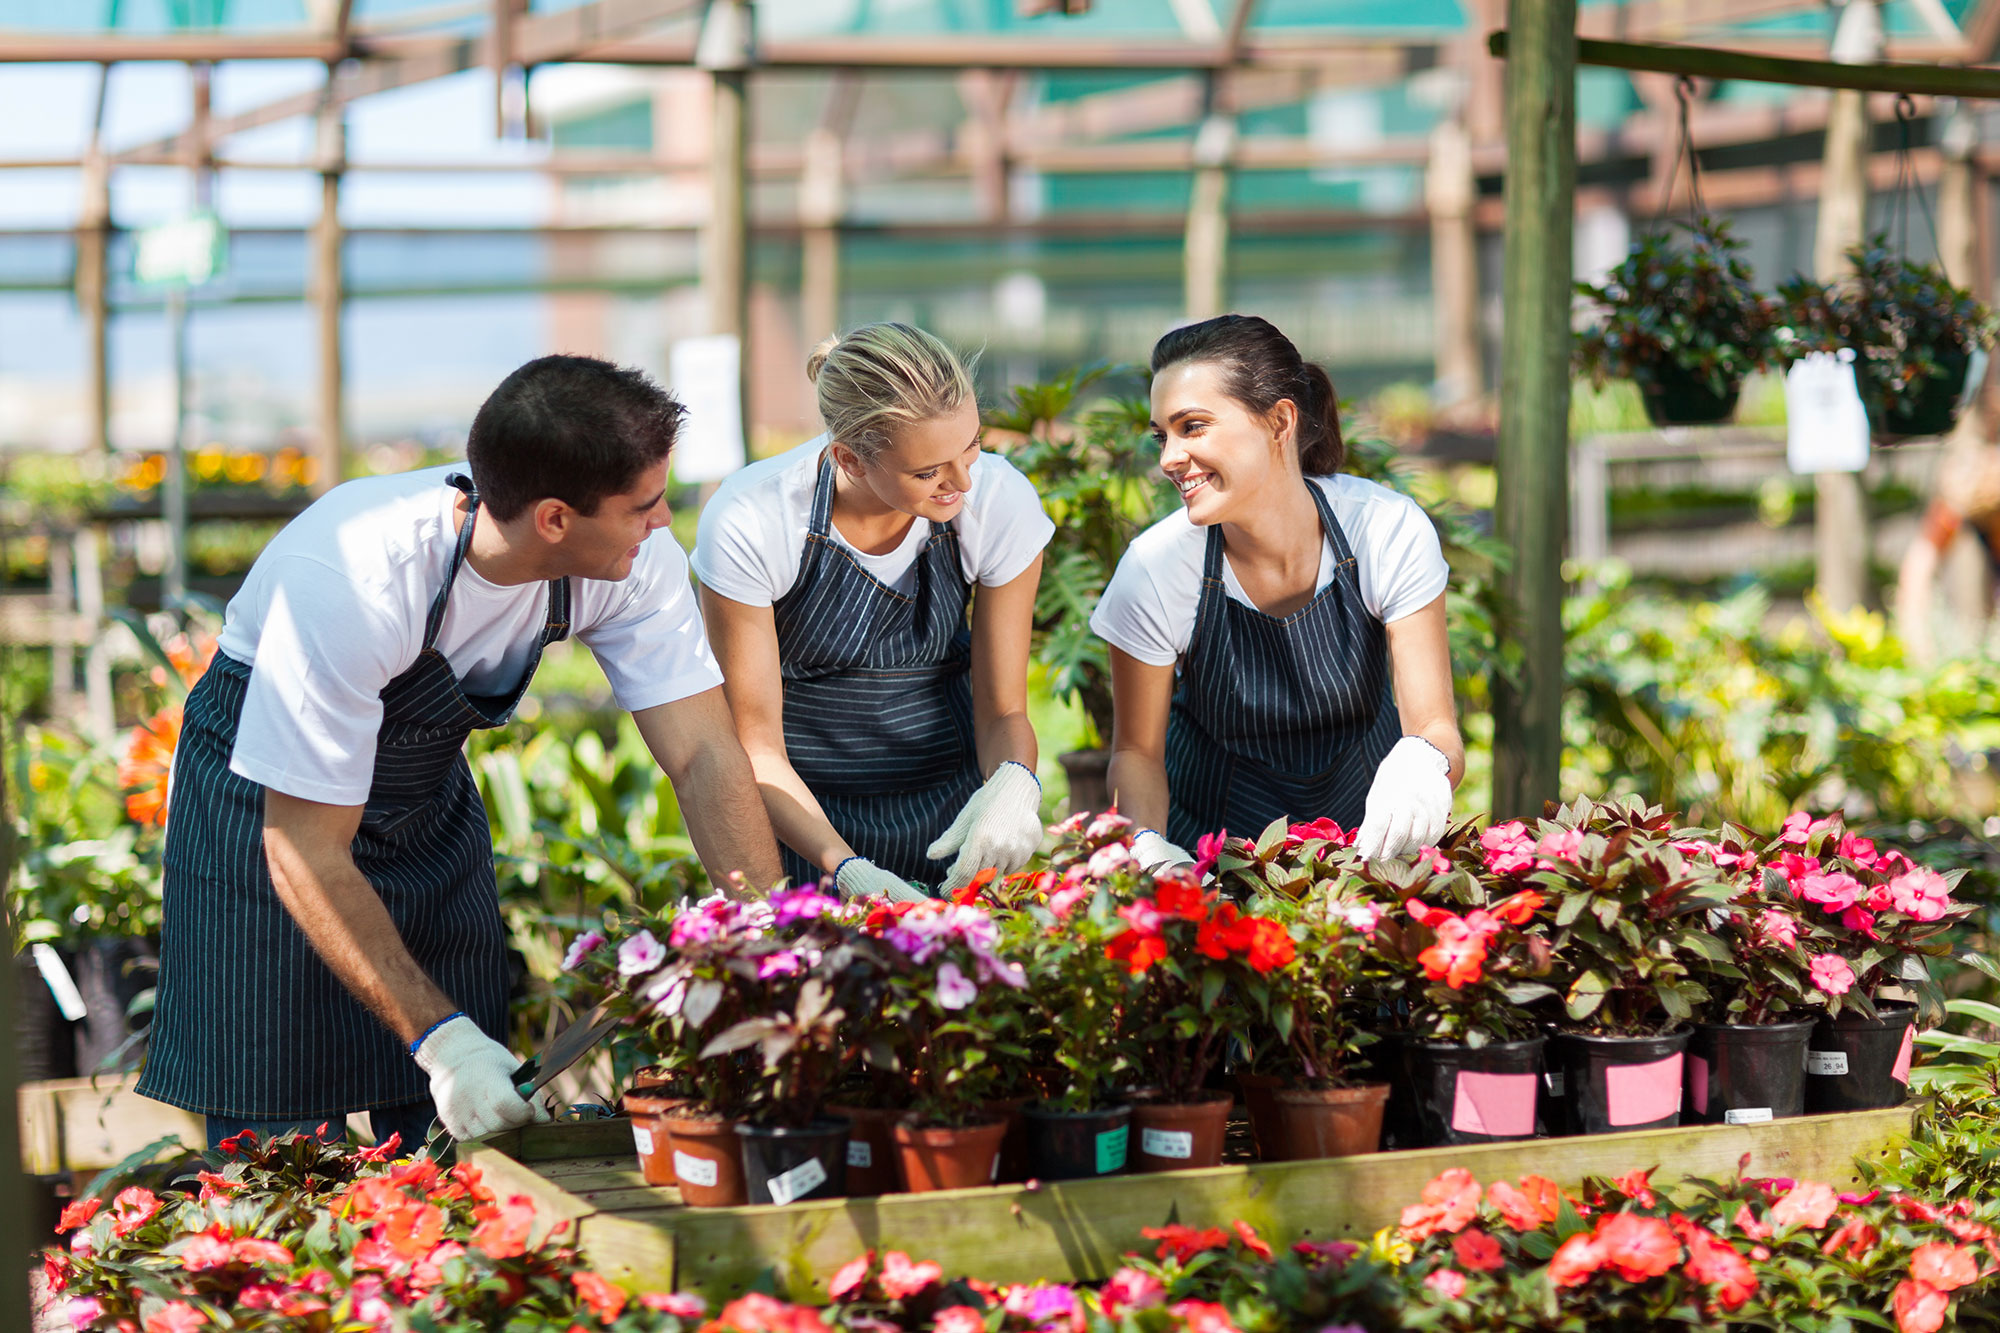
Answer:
(1966, 574)
(822, 202)
(93, 243)
(1532, 509)
(328, 293)
(724, 49)
(1449, 188)
(1842, 540)
(1205, 253)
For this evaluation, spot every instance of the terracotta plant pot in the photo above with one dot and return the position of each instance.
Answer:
(871, 1150)
(1178, 1136)
(650, 1076)
(1013, 1148)
(649, 1135)
(708, 1159)
(1329, 1122)
(1089, 785)
(1260, 1092)
(935, 1157)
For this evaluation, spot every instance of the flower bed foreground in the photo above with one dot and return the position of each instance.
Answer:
(293, 1236)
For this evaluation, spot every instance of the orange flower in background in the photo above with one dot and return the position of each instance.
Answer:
(78, 1213)
(604, 1300)
(190, 658)
(1184, 1242)
(503, 1228)
(1531, 1206)
(413, 1229)
(149, 757)
(1449, 1203)
(1252, 1242)
(1946, 1267)
(1458, 957)
(1809, 1202)
(1637, 1247)
(132, 1209)
(1919, 1307)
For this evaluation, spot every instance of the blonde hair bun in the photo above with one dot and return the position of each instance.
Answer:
(879, 378)
(817, 360)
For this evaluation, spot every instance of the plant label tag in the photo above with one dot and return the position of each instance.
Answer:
(1826, 1062)
(643, 1138)
(1111, 1147)
(1499, 1105)
(1826, 426)
(694, 1170)
(993, 1171)
(62, 987)
(1554, 1082)
(1697, 1072)
(798, 1182)
(1175, 1143)
(860, 1153)
(1747, 1115)
(1642, 1093)
(1901, 1073)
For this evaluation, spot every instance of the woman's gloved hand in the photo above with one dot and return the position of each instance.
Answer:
(472, 1080)
(858, 877)
(1155, 853)
(1001, 826)
(1409, 805)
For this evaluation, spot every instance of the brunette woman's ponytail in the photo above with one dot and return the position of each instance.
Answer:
(1260, 367)
(1321, 450)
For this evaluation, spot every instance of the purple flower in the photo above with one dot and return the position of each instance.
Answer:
(692, 928)
(917, 948)
(580, 947)
(640, 954)
(1042, 1303)
(992, 967)
(955, 990)
(800, 904)
(784, 963)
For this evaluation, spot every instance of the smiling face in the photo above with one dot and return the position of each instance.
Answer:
(927, 470)
(603, 545)
(1220, 454)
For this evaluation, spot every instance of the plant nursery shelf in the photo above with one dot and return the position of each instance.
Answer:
(587, 1174)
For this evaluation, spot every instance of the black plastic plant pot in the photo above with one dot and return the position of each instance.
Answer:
(1463, 1094)
(782, 1165)
(1861, 1064)
(1387, 1063)
(1077, 1145)
(1746, 1074)
(1613, 1084)
(1676, 396)
(1933, 409)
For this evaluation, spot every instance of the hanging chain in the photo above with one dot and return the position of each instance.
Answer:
(1906, 178)
(1684, 91)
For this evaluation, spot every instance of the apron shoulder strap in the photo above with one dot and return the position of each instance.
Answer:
(822, 507)
(435, 620)
(1343, 554)
(557, 627)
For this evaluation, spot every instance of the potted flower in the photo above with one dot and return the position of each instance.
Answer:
(1630, 918)
(1683, 321)
(1891, 917)
(1914, 334)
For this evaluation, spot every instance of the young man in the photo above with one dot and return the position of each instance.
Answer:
(332, 938)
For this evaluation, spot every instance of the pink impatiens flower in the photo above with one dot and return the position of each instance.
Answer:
(1832, 974)
(640, 954)
(580, 947)
(1920, 893)
(1835, 890)
(1776, 929)
(1509, 848)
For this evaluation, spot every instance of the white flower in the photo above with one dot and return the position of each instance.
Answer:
(955, 990)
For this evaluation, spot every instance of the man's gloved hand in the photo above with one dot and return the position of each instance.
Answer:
(472, 1080)
(858, 877)
(1155, 853)
(1409, 805)
(1001, 826)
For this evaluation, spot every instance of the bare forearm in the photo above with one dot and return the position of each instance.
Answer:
(1004, 737)
(795, 812)
(1139, 788)
(344, 920)
(726, 816)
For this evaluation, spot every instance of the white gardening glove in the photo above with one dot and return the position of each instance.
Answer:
(472, 1080)
(1155, 853)
(1409, 805)
(858, 877)
(1000, 826)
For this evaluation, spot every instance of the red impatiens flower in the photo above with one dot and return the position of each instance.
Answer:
(1212, 939)
(132, 1209)
(1575, 1260)
(1476, 1250)
(851, 1277)
(1184, 1242)
(1519, 909)
(503, 1228)
(1808, 1203)
(1634, 1186)
(1458, 957)
(1267, 945)
(1637, 1247)
(1946, 1267)
(1716, 1263)
(1447, 1205)
(1135, 949)
(1319, 830)
(1919, 1307)
(758, 1313)
(174, 1317)
(1854, 1240)
(902, 1279)
(605, 1300)
(1252, 1242)
(206, 1249)
(1203, 1317)
(1530, 1207)
(1185, 901)
(56, 1268)
(1208, 850)
(78, 1213)
(969, 892)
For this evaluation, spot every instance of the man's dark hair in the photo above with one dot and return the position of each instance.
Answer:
(571, 428)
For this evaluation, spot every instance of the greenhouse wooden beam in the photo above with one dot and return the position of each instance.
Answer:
(1532, 507)
(1672, 18)
(328, 291)
(1708, 62)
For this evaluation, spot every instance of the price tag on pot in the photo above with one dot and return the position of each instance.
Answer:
(860, 1154)
(643, 1137)
(1554, 1081)
(1176, 1143)
(1826, 426)
(694, 1170)
(1826, 1062)
(1111, 1148)
(1747, 1115)
(798, 1182)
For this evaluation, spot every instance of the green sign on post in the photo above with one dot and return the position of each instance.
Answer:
(186, 252)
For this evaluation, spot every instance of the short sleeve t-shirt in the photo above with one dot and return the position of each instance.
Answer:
(1148, 608)
(752, 536)
(334, 609)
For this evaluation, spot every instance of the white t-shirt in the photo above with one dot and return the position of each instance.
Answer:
(334, 609)
(1148, 608)
(752, 536)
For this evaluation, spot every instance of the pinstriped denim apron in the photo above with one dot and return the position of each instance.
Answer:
(878, 696)
(1279, 715)
(249, 1021)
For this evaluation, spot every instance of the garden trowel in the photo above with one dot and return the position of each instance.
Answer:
(569, 1046)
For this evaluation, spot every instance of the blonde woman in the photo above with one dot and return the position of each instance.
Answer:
(886, 734)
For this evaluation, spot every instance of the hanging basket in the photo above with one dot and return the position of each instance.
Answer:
(1676, 396)
(1932, 410)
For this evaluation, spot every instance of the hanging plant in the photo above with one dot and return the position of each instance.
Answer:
(1683, 320)
(1913, 332)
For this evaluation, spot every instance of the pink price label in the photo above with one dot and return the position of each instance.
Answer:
(1901, 1073)
(1697, 1071)
(1497, 1104)
(1641, 1094)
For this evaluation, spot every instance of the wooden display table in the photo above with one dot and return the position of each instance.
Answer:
(588, 1175)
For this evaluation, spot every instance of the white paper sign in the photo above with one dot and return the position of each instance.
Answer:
(1826, 1062)
(643, 1137)
(860, 1153)
(1167, 1143)
(694, 1170)
(62, 987)
(1747, 1115)
(705, 374)
(1826, 427)
(798, 1182)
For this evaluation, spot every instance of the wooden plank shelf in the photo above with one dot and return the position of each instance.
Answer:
(587, 1174)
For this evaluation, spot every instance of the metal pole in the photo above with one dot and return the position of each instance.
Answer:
(1532, 509)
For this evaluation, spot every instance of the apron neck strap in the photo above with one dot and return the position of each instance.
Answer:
(821, 521)
(435, 620)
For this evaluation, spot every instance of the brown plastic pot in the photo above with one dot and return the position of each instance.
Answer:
(1178, 1136)
(1329, 1122)
(708, 1160)
(1260, 1102)
(939, 1158)
(649, 1135)
(1014, 1147)
(871, 1150)
(647, 1077)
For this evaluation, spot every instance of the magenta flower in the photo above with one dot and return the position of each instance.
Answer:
(580, 947)
(1063, 901)
(1778, 930)
(1852, 847)
(693, 928)
(1208, 850)
(1859, 920)
(1130, 1289)
(955, 990)
(1436, 860)
(640, 954)
(783, 963)
(917, 948)
(1508, 847)
(1832, 974)
(1042, 1303)
(1835, 890)
(1800, 828)
(1563, 845)
(803, 904)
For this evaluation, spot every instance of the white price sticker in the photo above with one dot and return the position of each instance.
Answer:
(1747, 1115)
(1554, 1080)
(798, 1182)
(860, 1153)
(1826, 1062)
(643, 1137)
(1176, 1143)
(694, 1170)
